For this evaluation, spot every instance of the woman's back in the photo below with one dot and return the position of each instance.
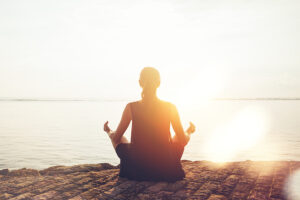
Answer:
(151, 144)
(150, 124)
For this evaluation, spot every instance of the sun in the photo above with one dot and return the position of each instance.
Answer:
(204, 86)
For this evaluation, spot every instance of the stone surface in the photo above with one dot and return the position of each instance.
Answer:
(204, 180)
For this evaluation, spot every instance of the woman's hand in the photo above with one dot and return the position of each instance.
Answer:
(191, 129)
(111, 134)
(106, 127)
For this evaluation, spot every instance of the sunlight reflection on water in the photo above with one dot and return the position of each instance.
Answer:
(241, 133)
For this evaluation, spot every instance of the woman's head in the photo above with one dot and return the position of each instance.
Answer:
(149, 81)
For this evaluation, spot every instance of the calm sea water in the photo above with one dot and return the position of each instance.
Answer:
(40, 134)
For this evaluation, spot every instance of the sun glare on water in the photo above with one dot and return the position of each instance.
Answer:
(241, 133)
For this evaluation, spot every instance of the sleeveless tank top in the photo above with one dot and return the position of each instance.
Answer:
(150, 125)
(151, 147)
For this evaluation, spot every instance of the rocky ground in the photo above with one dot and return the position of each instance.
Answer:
(204, 180)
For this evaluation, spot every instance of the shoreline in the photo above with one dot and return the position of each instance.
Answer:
(204, 180)
(117, 165)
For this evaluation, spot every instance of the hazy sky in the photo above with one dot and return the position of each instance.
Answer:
(97, 48)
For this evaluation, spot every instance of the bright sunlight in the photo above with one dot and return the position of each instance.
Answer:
(241, 133)
(201, 87)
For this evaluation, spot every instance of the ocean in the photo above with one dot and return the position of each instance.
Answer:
(40, 134)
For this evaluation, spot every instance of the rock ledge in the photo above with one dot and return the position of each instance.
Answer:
(204, 180)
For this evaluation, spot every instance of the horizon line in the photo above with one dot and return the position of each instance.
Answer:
(120, 100)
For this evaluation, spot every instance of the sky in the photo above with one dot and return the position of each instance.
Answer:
(96, 49)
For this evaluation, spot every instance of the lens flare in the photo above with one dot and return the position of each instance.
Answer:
(241, 133)
(292, 188)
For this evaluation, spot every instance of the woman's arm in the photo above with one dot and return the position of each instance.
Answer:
(182, 136)
(123, 125)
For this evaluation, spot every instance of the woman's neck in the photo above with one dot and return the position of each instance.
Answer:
(150, 98)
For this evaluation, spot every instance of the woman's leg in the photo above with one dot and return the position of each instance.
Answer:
(122, 140)
(177, 147)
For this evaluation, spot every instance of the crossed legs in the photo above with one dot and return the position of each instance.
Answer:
(115, 143)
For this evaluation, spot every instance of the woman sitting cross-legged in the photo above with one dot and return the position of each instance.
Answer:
(152, 154)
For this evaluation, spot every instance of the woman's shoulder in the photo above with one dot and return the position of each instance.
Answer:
(165, 102)
(168, 103)
(162, 102)
(132, 103)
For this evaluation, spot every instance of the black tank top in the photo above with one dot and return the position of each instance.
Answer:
(151, 144)
(150, 124)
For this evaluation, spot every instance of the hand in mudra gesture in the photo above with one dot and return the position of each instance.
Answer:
(106, 127)
(191, 129)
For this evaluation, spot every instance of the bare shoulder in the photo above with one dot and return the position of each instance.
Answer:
(168, 104)
(163, 101)
(130, 105)
(132, 102)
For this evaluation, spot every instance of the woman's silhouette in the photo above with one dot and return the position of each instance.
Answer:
(152, 153)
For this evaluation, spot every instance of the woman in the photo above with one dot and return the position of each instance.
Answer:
(152, 154)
